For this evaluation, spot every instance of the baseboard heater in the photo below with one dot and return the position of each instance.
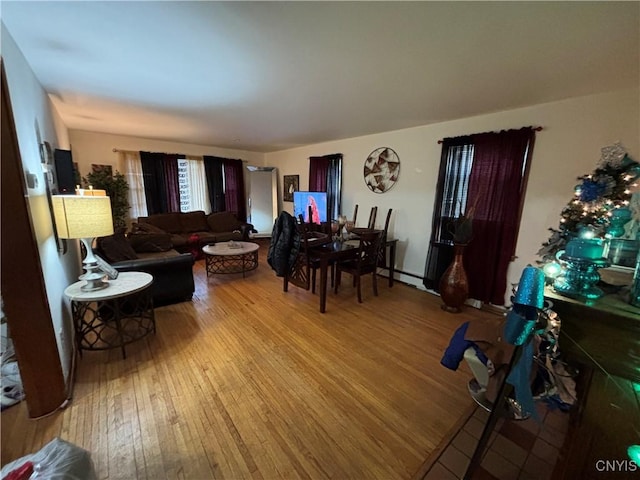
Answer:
(404, 273)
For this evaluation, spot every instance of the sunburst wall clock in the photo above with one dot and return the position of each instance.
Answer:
(381, 169)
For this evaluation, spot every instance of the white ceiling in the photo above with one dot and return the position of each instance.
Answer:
(265, 76)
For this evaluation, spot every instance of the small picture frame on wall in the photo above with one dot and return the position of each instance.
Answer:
(95, 168)
(291, 183)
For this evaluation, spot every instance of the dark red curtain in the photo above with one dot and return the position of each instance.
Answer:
(318, 170)
(496, 188)
(325, 175)
(234, 196)
(170, 172)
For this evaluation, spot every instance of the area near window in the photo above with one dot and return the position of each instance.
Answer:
(483, 175)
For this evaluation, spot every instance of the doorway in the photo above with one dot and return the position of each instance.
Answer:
(263, 199)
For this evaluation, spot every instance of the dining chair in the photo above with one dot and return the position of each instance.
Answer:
(372, 218)
(366, 262)
(309, 234)
(301, 269)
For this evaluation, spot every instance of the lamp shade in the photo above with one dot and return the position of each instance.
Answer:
(91, 192)
(79, 216)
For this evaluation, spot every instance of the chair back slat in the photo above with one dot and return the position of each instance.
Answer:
(369, 249)
(372, 217)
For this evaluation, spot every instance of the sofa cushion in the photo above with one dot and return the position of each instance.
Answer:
(206, 236)
(116, 248)
(178, 240)
(223, 222)
(158, 255)
(169, 222)
(193, 222)
(142, 227)
(150, 242)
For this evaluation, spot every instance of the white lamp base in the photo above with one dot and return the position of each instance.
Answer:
(94, 276)
(95, 280)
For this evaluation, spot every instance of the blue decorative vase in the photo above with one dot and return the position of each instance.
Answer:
(580, 277)
(619, 217)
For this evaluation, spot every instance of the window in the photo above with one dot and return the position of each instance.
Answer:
(486, 172)
(194, 194)
(183, 183)
(458, 160)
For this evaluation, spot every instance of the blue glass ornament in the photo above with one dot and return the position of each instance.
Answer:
(619, 217)
(580, 277)
(552, 270)
(634, 294)
(627, 160)
(633, 451)
(634, 171)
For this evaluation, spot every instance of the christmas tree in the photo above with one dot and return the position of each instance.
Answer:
(600, 203)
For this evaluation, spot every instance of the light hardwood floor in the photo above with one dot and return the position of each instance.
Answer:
(247, 381)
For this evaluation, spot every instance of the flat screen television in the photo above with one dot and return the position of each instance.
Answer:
(316, 200)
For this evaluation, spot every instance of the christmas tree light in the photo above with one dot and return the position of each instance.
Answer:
(600, 202)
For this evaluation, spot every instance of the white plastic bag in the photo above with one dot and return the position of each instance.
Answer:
(57, 460)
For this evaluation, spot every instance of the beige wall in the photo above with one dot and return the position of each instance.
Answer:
(92, 147)
(88, 148)
(33, 111)
(569, 145)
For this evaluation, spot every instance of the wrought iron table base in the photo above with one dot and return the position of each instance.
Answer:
(241, 263)
(113, 323)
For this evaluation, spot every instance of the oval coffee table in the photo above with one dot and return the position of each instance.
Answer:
(231, 257)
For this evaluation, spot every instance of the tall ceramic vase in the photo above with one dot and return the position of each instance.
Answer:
(454, 286)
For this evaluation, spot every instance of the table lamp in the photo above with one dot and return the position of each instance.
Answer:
(84, 217)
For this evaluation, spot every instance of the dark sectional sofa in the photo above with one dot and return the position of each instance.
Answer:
(172, 271)
(186, 229)
(166, 245)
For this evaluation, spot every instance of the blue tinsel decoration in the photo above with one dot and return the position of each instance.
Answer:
(592, 190)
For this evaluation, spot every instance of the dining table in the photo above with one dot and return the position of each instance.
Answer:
(344, 250)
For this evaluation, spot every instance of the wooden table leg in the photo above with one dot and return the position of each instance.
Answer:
(324, 264)
(392, 263)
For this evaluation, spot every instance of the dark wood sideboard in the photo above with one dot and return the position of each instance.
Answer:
(602, 340)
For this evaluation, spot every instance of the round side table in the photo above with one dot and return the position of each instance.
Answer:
(114, 316)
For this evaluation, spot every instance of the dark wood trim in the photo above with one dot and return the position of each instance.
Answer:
(25, 300)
